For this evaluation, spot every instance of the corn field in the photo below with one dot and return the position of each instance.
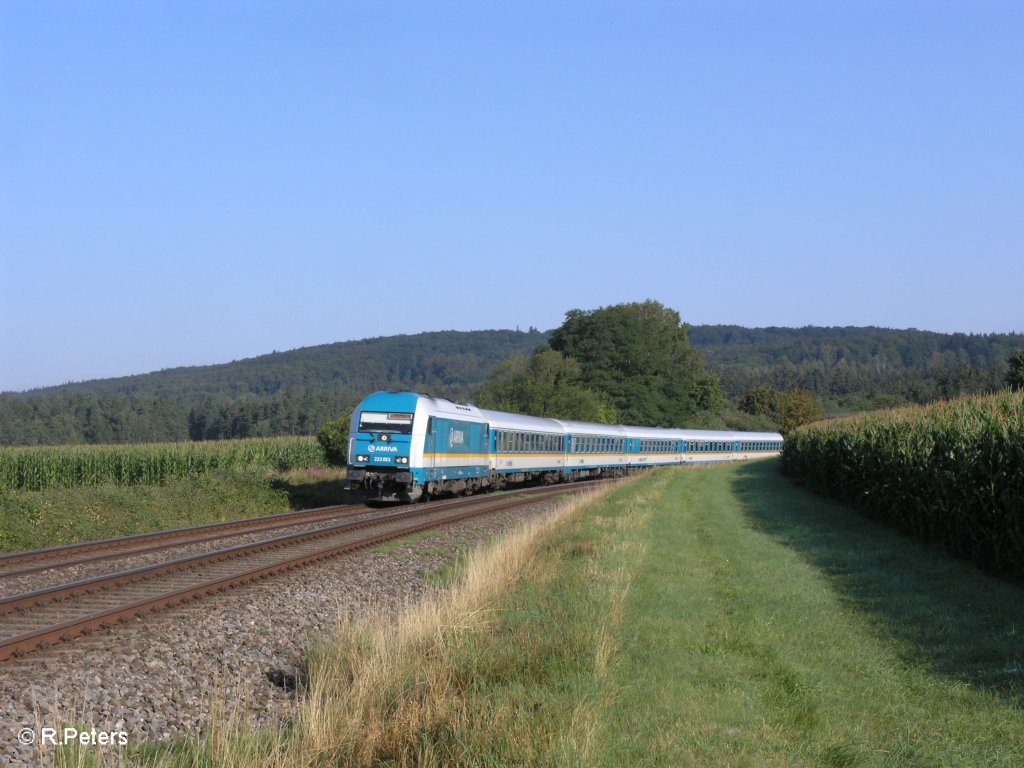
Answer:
(34, 469)
(951, 473)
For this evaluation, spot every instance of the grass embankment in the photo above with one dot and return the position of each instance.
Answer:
(716, 617)
(33, 519)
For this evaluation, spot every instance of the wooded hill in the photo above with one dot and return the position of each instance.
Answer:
(852, 369)
(295, 392)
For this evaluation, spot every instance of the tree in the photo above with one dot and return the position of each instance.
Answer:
(794, 408)
(707, 394)
(1015, 376)
(639, 358)
(333, 438)
(545, 383)
(758, 401)
(787, 410)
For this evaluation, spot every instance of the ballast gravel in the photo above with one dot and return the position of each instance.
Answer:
(173, 673)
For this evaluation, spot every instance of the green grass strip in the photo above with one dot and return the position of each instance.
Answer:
(765, 627)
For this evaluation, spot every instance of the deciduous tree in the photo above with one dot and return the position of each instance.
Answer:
(545, 383)
(638, 356)
(1015, 376)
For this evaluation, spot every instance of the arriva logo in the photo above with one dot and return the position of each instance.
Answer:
(456, 437)
(378, 448)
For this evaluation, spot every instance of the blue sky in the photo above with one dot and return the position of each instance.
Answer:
(187, 183)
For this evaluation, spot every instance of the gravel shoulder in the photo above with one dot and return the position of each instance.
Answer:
(173, 673)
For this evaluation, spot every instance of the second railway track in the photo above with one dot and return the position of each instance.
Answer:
(62, 612)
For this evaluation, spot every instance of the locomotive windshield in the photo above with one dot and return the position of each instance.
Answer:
(390, 423)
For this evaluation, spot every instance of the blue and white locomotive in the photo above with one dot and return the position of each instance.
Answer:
(403, 445)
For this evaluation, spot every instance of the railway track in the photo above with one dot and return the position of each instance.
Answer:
(60, 613)
(21, 563)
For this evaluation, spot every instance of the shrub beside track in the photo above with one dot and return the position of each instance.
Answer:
(951, 473)
(33, 469)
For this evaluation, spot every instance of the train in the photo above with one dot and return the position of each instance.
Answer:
(406, 446)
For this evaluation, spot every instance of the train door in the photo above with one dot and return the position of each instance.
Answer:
(430, 448)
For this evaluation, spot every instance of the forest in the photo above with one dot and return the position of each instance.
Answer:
(705, 373)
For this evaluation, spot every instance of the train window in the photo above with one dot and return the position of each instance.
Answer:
(389, 423)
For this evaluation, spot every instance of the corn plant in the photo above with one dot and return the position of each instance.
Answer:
(951, 473)
(34, 469)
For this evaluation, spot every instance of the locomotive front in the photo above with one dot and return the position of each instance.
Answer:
(382, 444)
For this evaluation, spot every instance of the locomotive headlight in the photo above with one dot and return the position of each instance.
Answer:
(403, 460)
(362, 459)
